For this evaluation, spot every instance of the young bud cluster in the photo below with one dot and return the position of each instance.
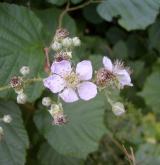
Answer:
(63, 44)
(18, 84)
(55, 110)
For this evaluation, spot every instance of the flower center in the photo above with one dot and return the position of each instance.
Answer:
(72, 80)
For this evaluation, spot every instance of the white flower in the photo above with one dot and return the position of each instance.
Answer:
(118, 109)
(7, 118)
(67, 42)
(76, 41)
(118, 71)
(56, 46)
(70, 83)
(21, 98)
(46, 101)
(25, 70)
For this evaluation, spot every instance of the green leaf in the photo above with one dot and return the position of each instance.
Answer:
(154, 35)
(57, 2)
(151, 92)
(148, 154)
(48, 156)
(81, 134)
(49, 18)
(15, 141)
(131, 14)
(21, 44)
(91, 14)
(120, 50)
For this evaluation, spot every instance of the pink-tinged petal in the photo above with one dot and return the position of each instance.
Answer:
(55, 83)
(107, 63)
(84, 70)
(87, 90)
(124, 78)
(61, 68)
(69, 95)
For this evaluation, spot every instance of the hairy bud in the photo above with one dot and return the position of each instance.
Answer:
(67, 42)
(21, 98)
(63, 56)
(118, 109)
(25, 70)
(56, 46)
(46, 101)
(7, 118)
(76, 41)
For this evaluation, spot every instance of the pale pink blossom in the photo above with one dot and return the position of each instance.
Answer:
(71, 84)
(119, 71)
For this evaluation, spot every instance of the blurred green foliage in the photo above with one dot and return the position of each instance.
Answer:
(120, 29)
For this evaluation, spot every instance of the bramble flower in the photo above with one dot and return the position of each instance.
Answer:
(70, 83)
(113, 72)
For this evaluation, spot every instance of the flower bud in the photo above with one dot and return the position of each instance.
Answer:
(56, 46)
(67, 42)
(21, 98)
(7, 118)
(76, 41)
(46, 101)
(118, 109)
(25, 70)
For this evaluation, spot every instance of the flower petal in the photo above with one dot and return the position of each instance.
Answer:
(87, 90)
(69, 95)
(124, 78)
(107, 63)
(55, 83)
(61, 68)
(84, 70)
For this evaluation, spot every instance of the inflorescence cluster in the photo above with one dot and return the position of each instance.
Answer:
(73, 82)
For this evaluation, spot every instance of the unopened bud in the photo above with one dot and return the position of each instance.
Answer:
(56, 46)
(21, 98)
(67, 42)
(25, 70)
(118, 109)
(7, 118)
(76, 41)
(46, 101)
